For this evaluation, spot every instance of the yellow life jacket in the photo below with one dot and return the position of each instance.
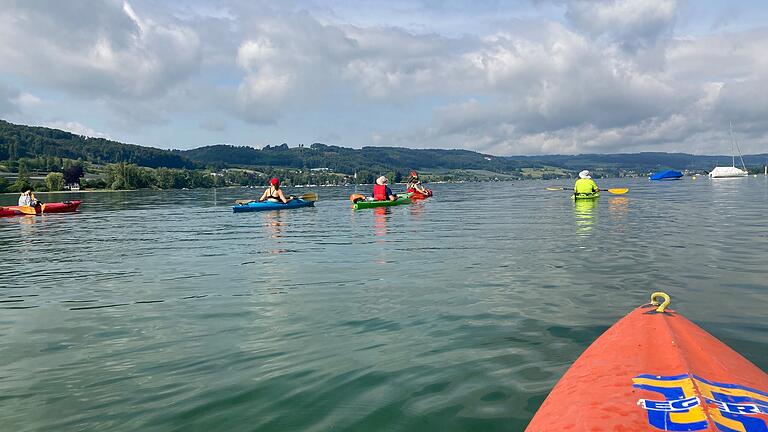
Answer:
(585, 186)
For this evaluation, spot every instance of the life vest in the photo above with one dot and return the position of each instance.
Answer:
(380, 192)
(584, 186)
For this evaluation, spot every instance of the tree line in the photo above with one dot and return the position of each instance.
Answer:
(19, 141)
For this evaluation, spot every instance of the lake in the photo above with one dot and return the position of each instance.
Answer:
(163, 310)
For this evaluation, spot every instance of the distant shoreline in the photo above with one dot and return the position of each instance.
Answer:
(80, 191)
(66, 192)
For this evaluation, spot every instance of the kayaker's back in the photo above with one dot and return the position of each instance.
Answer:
(585, 186)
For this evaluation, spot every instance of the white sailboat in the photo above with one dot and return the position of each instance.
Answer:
(731, 171)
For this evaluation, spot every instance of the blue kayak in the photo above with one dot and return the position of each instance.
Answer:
(268, 205)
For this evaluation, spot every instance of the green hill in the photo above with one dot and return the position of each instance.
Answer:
(18, 141)
(347, 160)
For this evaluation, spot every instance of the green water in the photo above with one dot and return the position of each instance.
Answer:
(160, 311)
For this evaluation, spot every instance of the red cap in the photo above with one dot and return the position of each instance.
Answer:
(414, 174)
(274, 182)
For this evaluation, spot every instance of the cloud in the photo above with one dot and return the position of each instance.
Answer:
(27, 100)
(633, 24)
(75, 128)
(92, 48)
(286, 57)
(14, 101)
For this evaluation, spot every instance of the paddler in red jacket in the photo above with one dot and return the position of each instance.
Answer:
(382, 192)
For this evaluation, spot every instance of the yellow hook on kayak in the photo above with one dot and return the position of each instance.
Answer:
(661, 305)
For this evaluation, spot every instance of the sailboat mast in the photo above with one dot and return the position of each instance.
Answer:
(734, 142)
(733, 151)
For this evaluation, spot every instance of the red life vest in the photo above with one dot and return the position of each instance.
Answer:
(380, 192)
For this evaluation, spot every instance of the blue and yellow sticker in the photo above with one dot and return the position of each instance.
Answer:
(731, 407)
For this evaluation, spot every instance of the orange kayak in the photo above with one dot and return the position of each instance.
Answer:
(656, 371)
(60, 207)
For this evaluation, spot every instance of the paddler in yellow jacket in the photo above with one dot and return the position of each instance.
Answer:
(585, 184)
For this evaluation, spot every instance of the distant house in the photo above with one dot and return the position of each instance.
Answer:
(72, 187)
(320, 169)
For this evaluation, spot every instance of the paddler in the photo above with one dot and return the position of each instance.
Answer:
(414, 184)
(382, 192)
(27, 197)
(274, 193)
(585, 184)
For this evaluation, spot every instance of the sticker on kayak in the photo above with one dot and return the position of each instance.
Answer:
(733, 408)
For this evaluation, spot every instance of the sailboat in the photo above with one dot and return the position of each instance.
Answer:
(731, 171)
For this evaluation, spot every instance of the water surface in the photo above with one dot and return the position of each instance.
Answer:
(160, 311)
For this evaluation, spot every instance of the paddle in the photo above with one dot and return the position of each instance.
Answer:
(615, 191)
(309, 196)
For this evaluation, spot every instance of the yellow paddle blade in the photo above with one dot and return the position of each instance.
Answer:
(245, 201)
(618, 191)
(27, 210)
(309, 196)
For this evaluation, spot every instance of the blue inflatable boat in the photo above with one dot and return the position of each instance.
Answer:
(667, 175)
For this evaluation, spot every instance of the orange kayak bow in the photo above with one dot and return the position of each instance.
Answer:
(656, 371)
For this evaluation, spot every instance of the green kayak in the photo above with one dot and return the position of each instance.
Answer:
(579, 196)
(401, 199)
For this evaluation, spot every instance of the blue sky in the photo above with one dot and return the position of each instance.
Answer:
(502, 77)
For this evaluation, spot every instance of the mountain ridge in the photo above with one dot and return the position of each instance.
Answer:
(20, 141)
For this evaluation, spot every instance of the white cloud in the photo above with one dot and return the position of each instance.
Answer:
(95, 48)
(634, 24)
(14, 101)
(75, 128)
(27, 100)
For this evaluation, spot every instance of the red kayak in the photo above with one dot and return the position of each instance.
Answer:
(60, 207)
(418, 195)
(655, 370)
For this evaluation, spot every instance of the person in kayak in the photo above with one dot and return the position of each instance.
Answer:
(27, 197)
(274, 193)
(414, 184)
(382, 192)
(585, 184)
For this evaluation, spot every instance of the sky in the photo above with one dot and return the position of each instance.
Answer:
(514, 77)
